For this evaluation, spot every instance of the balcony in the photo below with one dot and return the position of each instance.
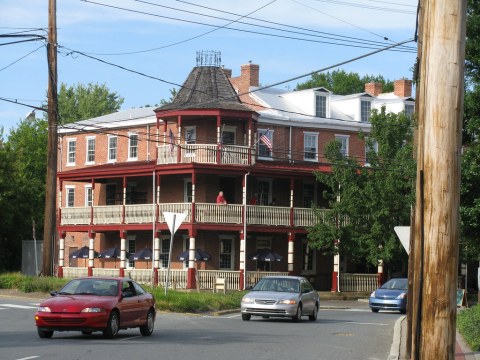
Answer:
(204, 213)
(205, 154)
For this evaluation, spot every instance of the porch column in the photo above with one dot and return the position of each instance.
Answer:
(291, 242)
(179, 137)
(60, 191)
(61, 254)
(91, 235)
(219, 139)
(380, 273)
(124, 198)
(336, 273)
(243, 272)
(156, 252)
(194, 180)
(123, 242)
(191, 272)
(292, 188)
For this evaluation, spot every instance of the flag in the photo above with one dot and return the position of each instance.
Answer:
(172, 141)
(264, 138)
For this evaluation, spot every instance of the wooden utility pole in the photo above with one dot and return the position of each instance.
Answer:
(51, 180)
(438, 177)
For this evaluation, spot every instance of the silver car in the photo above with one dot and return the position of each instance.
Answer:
(281, 296)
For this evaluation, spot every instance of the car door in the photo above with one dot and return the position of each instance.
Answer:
(143, 303)
(128, 305)
(308, 296)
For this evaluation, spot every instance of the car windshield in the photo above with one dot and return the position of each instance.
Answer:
(278, 285)
(395, 284)
(100, 287)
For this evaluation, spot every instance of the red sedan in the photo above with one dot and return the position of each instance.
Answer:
(97, 304)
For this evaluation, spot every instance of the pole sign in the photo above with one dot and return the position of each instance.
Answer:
(403, 233)
(174, 220)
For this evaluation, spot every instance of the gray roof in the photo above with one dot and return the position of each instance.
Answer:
(207, 87)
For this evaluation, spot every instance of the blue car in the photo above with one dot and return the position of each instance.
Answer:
(390, 296)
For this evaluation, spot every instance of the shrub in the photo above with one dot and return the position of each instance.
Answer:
(468, 323)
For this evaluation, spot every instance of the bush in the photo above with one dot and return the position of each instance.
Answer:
(30, 283)
(468, 323)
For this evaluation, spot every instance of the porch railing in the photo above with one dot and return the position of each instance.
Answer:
(213, 213)
(207, 278)
(266, 215)
(358, 282)
(107, 214)
(254, 276)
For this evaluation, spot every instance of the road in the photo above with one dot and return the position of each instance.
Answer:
(343, 330)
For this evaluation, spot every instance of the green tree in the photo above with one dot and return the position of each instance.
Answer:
(366, 202)
(342, 83)
(80, 102)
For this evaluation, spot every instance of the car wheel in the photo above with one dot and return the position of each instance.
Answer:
(246, 317)
(313, 317)
(147, 329)
(374, 310)
(112, 326)
(45, 334)
(403, 311)
(298, 315)
(86, 332)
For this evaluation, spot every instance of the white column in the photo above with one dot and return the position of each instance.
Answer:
(91, 252)
(123, 243)
(290, 254)
(61, 252)
(191, 253)
(156, 249)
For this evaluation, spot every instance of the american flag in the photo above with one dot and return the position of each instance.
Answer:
(172, 141)
(264, 138)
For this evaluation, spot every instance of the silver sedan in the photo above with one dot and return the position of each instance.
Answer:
(281, 296)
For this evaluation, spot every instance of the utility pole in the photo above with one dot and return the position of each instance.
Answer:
(51, 180)
(438, 177)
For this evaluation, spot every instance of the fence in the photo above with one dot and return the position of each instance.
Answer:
(358, 282)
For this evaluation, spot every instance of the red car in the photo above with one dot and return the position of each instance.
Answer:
(97, 304)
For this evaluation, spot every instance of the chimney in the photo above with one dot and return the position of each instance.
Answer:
(374, 88)
(250, 74)
(403, 88)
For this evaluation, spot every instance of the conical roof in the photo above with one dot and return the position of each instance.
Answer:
(207, 87)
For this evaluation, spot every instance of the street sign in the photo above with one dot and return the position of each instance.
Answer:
(403, 233)
(174, 220)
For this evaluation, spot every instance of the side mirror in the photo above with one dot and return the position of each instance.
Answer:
(249, 287)
(127, 293)
(54, 293)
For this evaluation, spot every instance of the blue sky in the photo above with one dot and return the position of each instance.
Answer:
(271, 40)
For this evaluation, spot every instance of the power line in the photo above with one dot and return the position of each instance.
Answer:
(24, 56)
(363, 6)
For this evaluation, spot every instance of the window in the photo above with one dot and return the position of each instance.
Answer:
(90, 150)
(343, 140)
(190, 135)
(133, 147)
(112, 148)
(263, 149)
(321, 106)
(409, 110)
(264, 187)
(164, 251)
(226, 254)
(228, 137)
(131, 250)
(307, 257)
(70, 199)
(88, 195)
(188, 191)
(71, 151)
(369, 148)
(308, 195)
(310, 143)
(365, 110)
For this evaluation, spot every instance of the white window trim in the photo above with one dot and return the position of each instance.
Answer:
(160, 262)
(327, 104)
(375, 148)
(270, 189)
(270, 133)
(232, 255)
(360, 109)
(129, 263)
(108, 149)
(87, 187)
(232, 129)
(316, 134)
(129, 145)
(86, 150)
(189, 128)
(185, 240)
(341, 136)
(70, 140)
(67, 189)
(185, 188)
(314, 262)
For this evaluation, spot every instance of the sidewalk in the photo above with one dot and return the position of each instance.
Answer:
(399, 345)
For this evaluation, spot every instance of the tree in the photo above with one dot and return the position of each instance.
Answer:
(342, 83)
(80, 102)
(366, 202)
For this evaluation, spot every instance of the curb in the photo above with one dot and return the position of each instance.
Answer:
(397, 336)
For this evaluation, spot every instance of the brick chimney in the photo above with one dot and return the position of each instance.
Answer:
(249, 76)
(374, 88)
(250, 72)
(403, 88)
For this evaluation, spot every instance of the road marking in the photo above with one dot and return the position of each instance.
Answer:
(30, 357)
(18, 306)
(363, 323)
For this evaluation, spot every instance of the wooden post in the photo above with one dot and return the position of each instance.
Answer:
(51, 179)
(438, 175)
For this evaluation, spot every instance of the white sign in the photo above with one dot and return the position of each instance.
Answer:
(403, 233)
(174, 220)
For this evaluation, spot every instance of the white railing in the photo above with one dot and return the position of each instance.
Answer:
(178, 278)
(307, 217)
(139, 214)
(76, 215)
(220, 214)
(207, 278)
(199, 153)
(268, 215)
(106, 272)
(107, 214)
(254, 276)
(235, 155)
(142, 276)
(74, 272)
(176, 208)
(167, 154)
(358, 282)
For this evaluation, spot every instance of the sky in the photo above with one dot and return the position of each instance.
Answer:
(160, 39)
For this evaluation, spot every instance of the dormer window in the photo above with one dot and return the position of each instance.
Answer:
(320, 106)
(365, 110)
(409, 110)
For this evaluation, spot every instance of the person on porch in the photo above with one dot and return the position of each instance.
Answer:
(254, 199)
(221, 199)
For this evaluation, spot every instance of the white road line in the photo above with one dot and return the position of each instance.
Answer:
(18, 306)
(28, 358)
(363, 323)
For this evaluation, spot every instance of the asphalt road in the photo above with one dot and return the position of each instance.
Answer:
(343, 330)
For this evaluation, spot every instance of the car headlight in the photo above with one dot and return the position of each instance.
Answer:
(43, 309)
(247, 300)
(92, 310)
(402, 296)
(288, 301)
(372, 294)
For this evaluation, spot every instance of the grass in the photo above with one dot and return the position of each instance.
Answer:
(176, 301)
(468, 323)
